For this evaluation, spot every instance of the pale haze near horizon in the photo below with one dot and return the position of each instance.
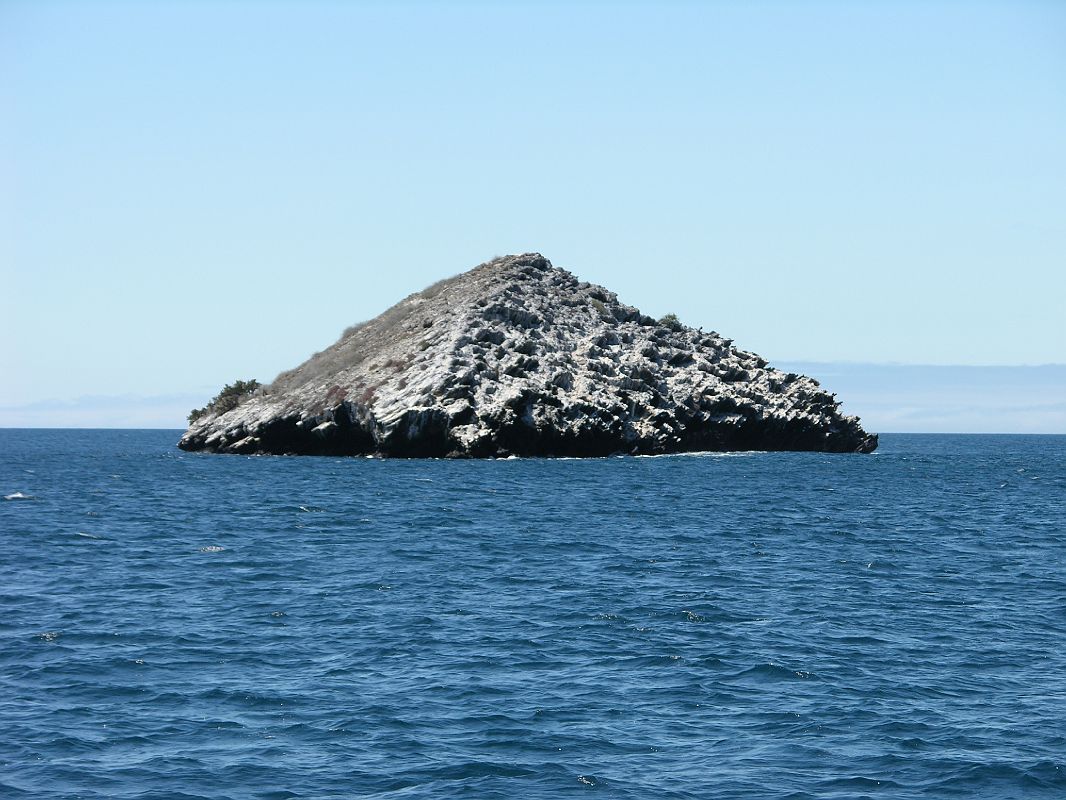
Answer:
(192, 193)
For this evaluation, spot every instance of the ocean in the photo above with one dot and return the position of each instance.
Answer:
(754, 625)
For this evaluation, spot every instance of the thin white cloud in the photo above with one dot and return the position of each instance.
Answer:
(947, 399)
(103, 411)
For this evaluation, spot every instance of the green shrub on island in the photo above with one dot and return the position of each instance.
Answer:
(671, 321)
(228, 399)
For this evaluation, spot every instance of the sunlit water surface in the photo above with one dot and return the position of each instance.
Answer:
(744, 626)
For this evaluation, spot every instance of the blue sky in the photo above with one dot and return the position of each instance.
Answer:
(195, 192)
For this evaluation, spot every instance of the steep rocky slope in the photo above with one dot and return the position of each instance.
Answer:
(516, 357)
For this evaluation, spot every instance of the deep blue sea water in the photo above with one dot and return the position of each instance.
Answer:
(765, 625)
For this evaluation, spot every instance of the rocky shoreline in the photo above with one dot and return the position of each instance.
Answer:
(517, 357)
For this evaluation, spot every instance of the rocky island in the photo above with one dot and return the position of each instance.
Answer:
(518, 358)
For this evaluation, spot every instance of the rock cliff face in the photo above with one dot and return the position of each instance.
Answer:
(516, 357)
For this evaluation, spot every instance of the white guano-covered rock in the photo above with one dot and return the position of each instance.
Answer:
(517, 357)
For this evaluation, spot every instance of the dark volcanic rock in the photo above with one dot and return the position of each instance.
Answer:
(516, 357)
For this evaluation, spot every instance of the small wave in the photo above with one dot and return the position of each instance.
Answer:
(771, 673)
(859, 783)
(1024, 778)
(87, 535)
(19, 496)
(212, 548)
